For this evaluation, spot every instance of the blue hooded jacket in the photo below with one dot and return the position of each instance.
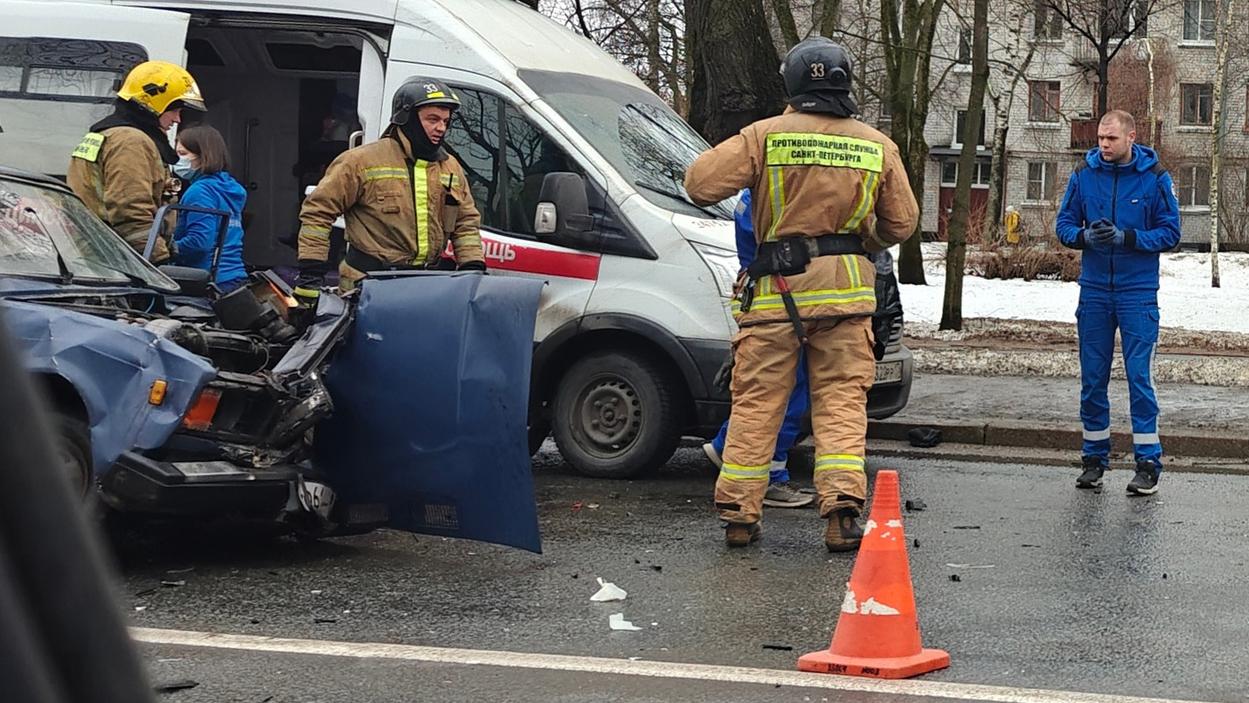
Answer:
(196, 233)
(1139, 198)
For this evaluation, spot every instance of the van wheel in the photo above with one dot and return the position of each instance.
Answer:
(72, 450)
(537, 436)
(616, 415)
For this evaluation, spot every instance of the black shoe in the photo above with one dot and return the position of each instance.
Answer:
(1094, 467)
(844, 533)
(1145, 482)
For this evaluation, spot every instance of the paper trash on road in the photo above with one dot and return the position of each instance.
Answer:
(617, 622)
(607, 592)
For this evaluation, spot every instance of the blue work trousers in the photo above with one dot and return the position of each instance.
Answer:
(1135, 316)
(799, 406)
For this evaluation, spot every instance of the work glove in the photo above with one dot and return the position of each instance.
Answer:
(310, 282)
(1106, 234)
(473, 266)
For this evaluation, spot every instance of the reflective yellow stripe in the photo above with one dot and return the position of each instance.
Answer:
(384, 172)
(737, 472)
(867, 202)
(851, 264)
(314, 231)
(812, 298)
(802, 149)
(776, 182)
(839, 462)
(89, 148)
(420, 197)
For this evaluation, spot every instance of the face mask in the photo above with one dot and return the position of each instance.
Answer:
(184, 170)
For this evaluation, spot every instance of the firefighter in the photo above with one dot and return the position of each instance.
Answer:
(402, 197)
(121, 168)
(827, 190)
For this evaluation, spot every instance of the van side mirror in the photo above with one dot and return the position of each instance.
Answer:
(563, 207)
(191, 282)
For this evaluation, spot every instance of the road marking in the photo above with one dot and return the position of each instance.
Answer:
(623, 667)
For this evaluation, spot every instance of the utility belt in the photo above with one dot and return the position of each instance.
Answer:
(360, 261)
(789, 256)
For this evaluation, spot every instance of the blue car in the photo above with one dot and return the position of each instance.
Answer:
(172, 400)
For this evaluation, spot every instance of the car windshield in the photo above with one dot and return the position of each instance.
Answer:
(633, 129)
(37, 223)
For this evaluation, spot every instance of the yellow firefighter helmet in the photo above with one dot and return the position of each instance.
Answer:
(160, 86)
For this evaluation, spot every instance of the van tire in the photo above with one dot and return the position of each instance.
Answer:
(72, 448)
(593, 434)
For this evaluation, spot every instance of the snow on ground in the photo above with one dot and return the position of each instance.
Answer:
(1185, 298)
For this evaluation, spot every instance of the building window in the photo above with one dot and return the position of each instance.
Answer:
(964, 47)
(1196, 104)
(1043, 100)
(1128, 18)
(1041, 181)
(960, 128)
(1192, 186)
(1049, 24)
(1199, 20)
(949, 173)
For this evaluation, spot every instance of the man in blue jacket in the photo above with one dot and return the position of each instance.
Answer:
(1120, 209)
(780, 493)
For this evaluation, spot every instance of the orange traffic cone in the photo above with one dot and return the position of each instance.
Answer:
(877, 634)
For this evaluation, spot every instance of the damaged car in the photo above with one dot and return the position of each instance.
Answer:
(173, 400)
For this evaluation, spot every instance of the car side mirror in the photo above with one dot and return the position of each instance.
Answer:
(563, 207)
(191, 281)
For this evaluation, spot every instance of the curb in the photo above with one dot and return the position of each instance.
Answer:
(1002, 434)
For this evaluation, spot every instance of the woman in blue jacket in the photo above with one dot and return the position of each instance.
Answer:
(203, 164)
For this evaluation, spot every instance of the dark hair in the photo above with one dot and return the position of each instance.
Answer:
(208, 144)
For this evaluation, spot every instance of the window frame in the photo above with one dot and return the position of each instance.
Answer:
(1053, 109)
(1209, 102)
(84, 55)
(1187, 187)
(960, 116)
(1048, 181)
(1044, 18)
(1199, 22)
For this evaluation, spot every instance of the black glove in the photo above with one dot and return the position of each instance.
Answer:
(310, 281)
(723, 381)
(473, 266)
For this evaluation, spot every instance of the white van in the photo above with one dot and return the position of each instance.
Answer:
(634, 322)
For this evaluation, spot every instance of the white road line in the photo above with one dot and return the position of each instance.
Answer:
(623, 667)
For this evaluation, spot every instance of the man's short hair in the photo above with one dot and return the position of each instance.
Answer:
(1123, 117)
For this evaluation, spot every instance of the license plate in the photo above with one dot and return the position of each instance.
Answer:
(316, 497)
(889, 372)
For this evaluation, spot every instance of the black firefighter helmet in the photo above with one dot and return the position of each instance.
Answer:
(818, 74)
(416, 93)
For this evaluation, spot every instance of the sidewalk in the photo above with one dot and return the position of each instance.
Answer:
(1016, 411)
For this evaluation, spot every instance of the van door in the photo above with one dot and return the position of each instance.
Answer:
(61, 64)
(505, 156)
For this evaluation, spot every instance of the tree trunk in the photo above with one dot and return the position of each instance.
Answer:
(1103, 81)
(956, 254)
(653, 57)
(997, 178)
(1216, 140)
(829, 17)
(734, 64)
(785, 18)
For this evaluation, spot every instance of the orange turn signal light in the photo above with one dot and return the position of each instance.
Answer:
(156, 395)
(200, 416)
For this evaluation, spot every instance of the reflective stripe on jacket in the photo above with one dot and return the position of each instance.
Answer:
(810, 175)
(119, 175)
(394, 212)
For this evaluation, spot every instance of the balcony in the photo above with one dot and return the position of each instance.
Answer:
(1084, 134)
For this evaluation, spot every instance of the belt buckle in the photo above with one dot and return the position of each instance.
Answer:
(813, 246)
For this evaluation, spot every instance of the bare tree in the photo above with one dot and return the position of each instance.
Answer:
(956, 253)
(1006, 74)
(1224, 35)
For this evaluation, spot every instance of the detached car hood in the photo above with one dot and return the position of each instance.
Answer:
(113, 366)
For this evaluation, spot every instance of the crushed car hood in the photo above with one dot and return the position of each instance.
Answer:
(431, 398)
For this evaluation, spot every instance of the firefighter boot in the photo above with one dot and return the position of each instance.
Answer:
(741, 534)
(843, 533)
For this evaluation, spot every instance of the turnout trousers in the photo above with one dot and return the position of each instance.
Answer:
(1135, 316)
(841, 369)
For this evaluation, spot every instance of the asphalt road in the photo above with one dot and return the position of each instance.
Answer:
(1056, 590)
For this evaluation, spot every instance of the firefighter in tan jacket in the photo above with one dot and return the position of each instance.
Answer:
(402, 197)
(826, 189)
(121, 168)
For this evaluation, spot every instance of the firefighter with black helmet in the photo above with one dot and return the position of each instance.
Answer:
(827, 190)
(403, 197)
(121, 167)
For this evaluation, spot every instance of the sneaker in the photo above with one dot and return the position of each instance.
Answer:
(741, 534)
(1094, 467)
(1145, 482)
(783, 495)
(712, 455)
(844, 533)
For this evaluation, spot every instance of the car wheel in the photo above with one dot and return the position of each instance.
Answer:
(73, 452)
(616, 415)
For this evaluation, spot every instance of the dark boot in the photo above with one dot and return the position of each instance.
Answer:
(1145, 482)
(1094, 467)
(843, 533)
(741, 534)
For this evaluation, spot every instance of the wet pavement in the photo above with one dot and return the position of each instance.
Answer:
(1056, 589)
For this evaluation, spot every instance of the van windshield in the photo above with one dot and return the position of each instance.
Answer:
(632, 128)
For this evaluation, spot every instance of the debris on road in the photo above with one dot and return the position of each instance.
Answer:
(972, 566)
(608, 592)
(174, 686)
(956, 578)
(175, 572)
(173, 584)
(324, 621)
(779, 647)
(915, 506)
(617, 622)
(967, 527)
(924, 437)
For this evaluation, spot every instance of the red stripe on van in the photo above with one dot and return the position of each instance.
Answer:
(512, 255)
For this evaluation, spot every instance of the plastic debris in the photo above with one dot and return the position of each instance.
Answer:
(617, 622)
(173, 584)
(608, 592)
(915, 506)
(972, 566)
(172, 686)
(779, 647)
(955, 578)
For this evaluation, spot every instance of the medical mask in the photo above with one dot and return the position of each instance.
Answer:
(184, 170)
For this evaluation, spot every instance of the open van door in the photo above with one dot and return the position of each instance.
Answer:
(61, 64)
